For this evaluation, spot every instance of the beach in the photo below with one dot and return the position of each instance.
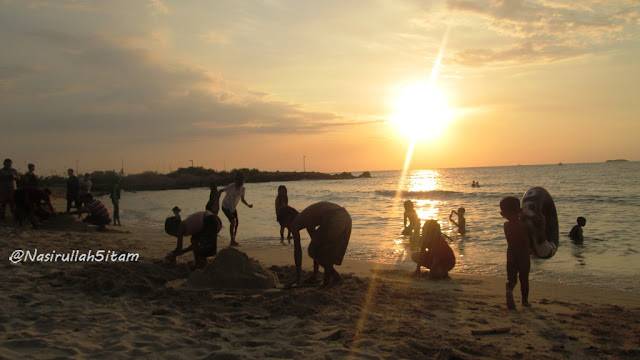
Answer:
(146, 308)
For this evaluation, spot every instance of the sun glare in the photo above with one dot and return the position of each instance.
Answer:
(421, 111)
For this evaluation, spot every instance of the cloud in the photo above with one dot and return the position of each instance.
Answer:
(214, 37)
(521, 53)
(547, 30)
(9, 74)
(111, 87)
(158, 7)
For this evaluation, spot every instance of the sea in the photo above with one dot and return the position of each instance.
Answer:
(606, 194)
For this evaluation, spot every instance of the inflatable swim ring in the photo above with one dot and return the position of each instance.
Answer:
(539, 211)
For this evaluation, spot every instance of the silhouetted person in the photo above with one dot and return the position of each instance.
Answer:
(462, 222)
(84, 187)
(213, 204)
(411, 216)
(435, 253)
(73, 187)
(203, 227)
(8, 185)
(576, 232)
(33, 204)
(115, 200)
(234, 194)
(98, 212)
(518, 261)
(329, 226)
(30, 179)
(176, 213)
(282, 200)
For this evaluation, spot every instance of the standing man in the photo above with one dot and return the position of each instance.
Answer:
(8, 178)
(329, 226)
(30, 179)
(115, 200)
(72, 190)
(84, 187)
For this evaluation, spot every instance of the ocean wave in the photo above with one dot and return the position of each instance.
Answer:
(425, 195)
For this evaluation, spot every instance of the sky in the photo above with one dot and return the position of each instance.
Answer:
(278, 85)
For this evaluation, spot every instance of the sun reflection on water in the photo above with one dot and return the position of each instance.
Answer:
(421, 181)
(427, 209)
(415, 185)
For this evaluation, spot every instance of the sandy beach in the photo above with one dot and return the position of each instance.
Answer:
(146, 309)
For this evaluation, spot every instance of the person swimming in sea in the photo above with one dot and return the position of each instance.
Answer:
(411, 215)
(461, 224)
(576, 232)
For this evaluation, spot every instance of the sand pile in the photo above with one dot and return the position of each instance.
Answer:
(233, 269)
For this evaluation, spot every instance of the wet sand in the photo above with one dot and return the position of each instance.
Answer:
(147, 309)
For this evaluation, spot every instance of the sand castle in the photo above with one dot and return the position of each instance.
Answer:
(233, 269)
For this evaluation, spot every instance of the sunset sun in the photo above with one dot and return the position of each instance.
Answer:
(421, 111)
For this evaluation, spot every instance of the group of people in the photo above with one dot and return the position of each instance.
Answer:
(328, 224)
(329, 227)
(79, 194)
(435, 253)
(27, 200)
(22, 194)
(204, 226)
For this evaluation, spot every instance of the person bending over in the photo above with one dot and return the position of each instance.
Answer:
(329, 226)
(33, 204)
(98, 212)
(203, 227)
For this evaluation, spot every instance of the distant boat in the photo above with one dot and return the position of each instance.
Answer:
(618, 160)
(560, 163)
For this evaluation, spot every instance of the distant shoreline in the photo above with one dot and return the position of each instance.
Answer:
(193, 177)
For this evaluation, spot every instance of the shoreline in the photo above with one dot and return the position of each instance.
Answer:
(143, 308)
(363, 268)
